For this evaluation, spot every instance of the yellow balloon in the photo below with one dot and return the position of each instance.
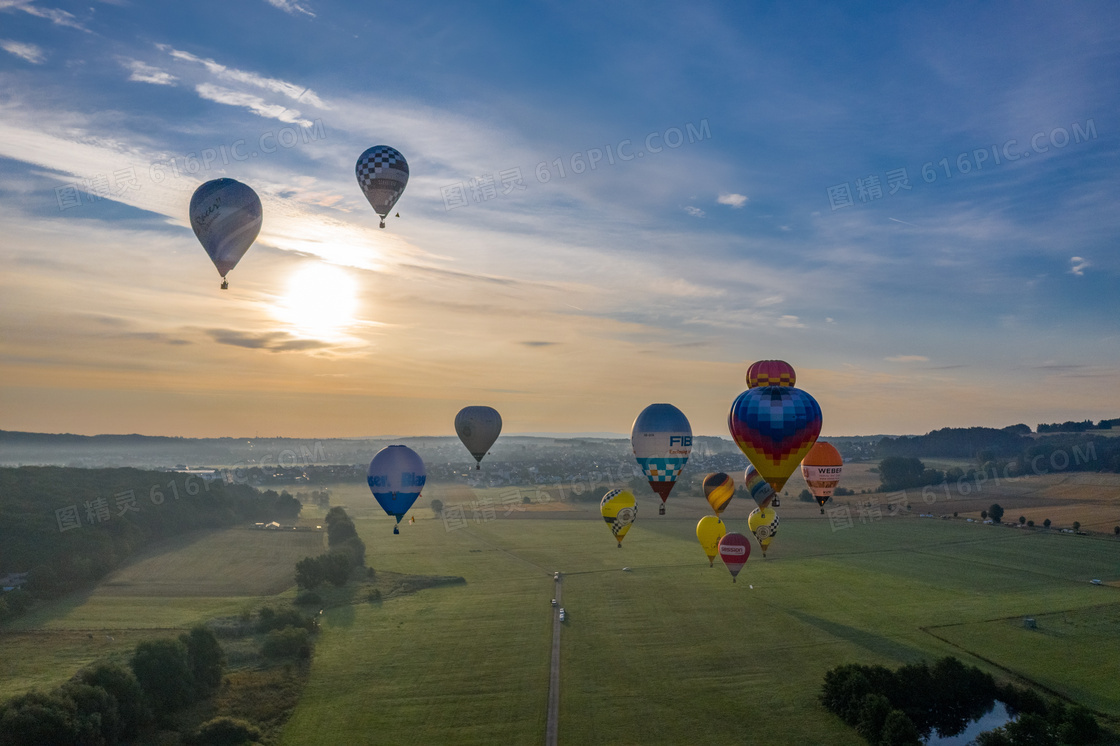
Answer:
(709, 531)
(763, 523)
(619, 511)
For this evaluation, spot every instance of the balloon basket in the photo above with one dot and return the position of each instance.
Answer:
(382, 223)
(620, 545)
(396, 530)
(661, 509)
(478, 467)
(225, 285)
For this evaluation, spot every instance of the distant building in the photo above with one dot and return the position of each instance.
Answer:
(12, 580)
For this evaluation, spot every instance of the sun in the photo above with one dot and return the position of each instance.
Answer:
(321, 301)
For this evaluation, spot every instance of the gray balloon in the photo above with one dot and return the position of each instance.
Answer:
(226, 217)
(478, 428)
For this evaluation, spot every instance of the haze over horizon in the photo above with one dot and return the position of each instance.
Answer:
(915, 207)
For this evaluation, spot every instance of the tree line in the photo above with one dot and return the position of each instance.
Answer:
(346, 551)
(903, 707)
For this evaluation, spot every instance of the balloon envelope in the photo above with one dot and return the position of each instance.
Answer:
(770, 373)
(662, 441)
(226, 217)
(719, 489)
(734, 549)
(619, 511)
(775, 426)
(396, 477)
(763, 523)
(760, 489)
(478, 428)
(709, 531)
(382, 175)
(822, 468)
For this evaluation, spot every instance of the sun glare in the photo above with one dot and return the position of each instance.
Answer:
(320, 301)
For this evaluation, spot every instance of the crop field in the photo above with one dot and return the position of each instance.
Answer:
(673, 648)
(165, 590)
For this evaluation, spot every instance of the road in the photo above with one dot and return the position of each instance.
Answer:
(551, 730)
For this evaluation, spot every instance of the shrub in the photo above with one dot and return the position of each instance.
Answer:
(225, 731)
(309, 598)
(290, 642)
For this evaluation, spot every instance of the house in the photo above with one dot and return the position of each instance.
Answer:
(273, 526)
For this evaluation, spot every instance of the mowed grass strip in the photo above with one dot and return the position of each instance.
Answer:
(231, 562)
(465, 664)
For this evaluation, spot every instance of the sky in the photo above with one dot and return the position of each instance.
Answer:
(610, 204)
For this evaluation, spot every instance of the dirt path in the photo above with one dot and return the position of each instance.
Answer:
(551, 730)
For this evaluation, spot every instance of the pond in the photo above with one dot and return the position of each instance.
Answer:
(993, 718)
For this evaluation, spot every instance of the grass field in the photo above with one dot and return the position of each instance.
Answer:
(671, 652)
(674, 649)
(167, 589)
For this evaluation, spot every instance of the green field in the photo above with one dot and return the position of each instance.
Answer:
(674, 649)
(671, 652)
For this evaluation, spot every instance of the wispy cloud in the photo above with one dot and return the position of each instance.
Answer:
(234, 75)
(54, 15)
(1078, 265)
(291, 7)
(790, 322)
(23, 50)
(732, 199)
(255, 104)
(907, 359)
(695, 212)
(535, 343)
(145, 73)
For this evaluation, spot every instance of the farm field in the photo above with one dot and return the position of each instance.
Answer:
(165, 590)
(673, 648)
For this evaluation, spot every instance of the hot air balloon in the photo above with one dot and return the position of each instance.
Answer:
(770, 373)
(775, 426)
(709, 531)
(478, 428)
(759, 489)
(763, 523)
(822, 467)
(619, 511)
(662, 441)
(734, 549)
(396, 477)
(382, 174)
(719, 489)
(226, 218)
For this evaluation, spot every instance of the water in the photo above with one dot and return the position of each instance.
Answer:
(990, 720)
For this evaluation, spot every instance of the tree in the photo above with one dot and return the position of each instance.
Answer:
(289, 642)
(225, 731)
(1077, 525)
(336, 568)
(437, 506)
(899, 472)
(125, 690)
(995, 512)
(899, 730)
(205, 658)
(162, 669)
(1022, 520)
(310, 573)
(983, 515)
(806, 497)
(1046, 523)
(1030, 730)
(1080, 727)
(1116, 530)
(1030, 524)
(873, 714)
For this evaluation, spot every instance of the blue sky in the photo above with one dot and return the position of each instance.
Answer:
(969, 278)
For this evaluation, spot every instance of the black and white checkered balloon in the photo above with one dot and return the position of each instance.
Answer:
(382, 175)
